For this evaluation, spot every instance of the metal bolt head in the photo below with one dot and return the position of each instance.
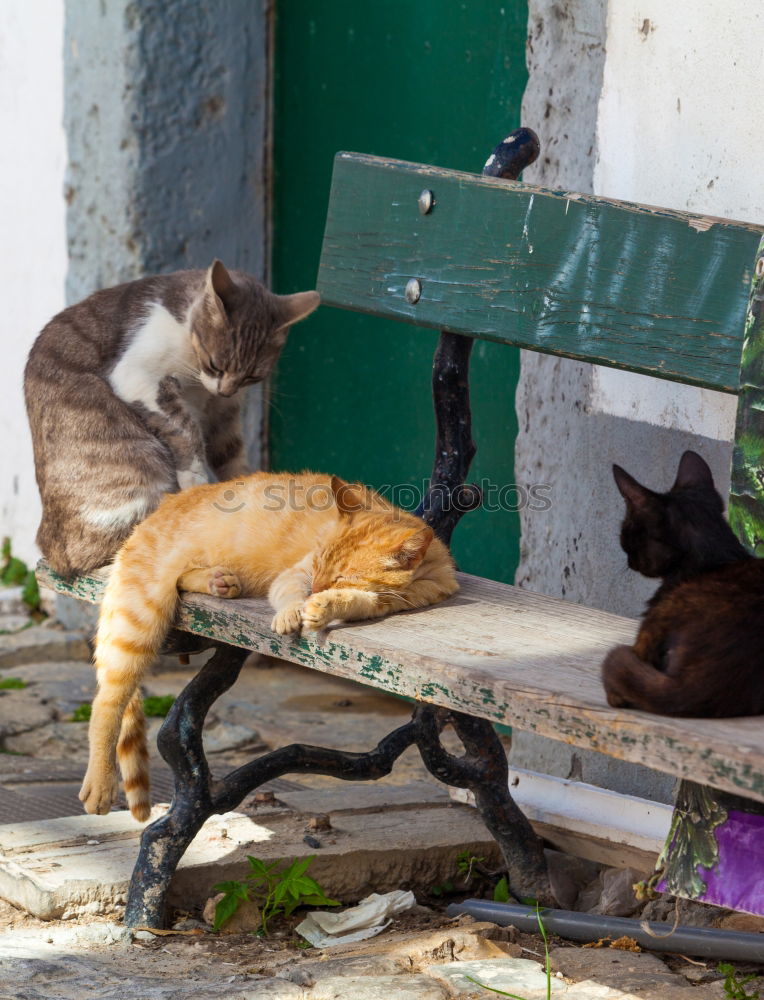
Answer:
(426, 201)
(413, 291)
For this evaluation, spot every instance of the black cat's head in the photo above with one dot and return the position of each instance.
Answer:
(680, 533)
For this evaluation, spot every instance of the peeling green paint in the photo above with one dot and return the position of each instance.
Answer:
(746, 502)
(247, 624)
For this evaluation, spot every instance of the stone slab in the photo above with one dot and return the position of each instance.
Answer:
(22, 710)
(625, 972)
(379, 987)
(97, 962)
(366, 798)
(11, 602)
(41, 644)
(63, 683)
(519, 976)
(79, 865)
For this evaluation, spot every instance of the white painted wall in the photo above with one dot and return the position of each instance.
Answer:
(33, 251)
(679, 125)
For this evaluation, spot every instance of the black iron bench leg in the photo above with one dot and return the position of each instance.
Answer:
(483, 770)
(197, 798)
(164, 842)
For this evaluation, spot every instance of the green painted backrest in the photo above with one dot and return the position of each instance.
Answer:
(650, 290)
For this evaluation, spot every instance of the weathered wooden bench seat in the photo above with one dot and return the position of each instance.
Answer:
(500, 653)
(649, 290)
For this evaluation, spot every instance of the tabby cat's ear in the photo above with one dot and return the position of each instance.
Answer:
(349, 497)
(634, 493)
(411, 552)
(693, 471)
(220, 286)
(293, 308)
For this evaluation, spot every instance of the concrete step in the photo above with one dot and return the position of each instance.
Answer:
(71, 866)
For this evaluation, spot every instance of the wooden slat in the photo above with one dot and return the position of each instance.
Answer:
(501, 653)
(645, 289)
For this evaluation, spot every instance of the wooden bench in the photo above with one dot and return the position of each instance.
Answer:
(649, 290)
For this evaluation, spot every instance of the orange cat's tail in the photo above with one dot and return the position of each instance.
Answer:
(133, 757)
(137, 610)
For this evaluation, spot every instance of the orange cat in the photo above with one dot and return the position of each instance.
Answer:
(319, 548)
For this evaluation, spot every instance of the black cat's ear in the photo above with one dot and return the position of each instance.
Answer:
(220, 285)
(693, 471)
(293, 308)
(635, 494)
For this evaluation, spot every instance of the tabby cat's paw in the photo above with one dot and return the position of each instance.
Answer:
(223, 583)
(99, 792)
(287, 620)
(168, 391)
(318, 611)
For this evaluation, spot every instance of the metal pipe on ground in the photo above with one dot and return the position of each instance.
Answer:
(703, 942)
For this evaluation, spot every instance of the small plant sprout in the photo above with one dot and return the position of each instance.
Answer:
(501, 890)
(735, 985)
(15, 572)
(153, 706)
(277, 891)
(465, 862)
(12, 684)
(157, 705)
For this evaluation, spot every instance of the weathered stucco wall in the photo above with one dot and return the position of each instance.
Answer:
(135, 140)
(166, 116)
(685, 88)
(564, 549)
(677, 125)
(33, 244)
(641, 102)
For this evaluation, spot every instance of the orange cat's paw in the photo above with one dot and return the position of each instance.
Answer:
(223, 583)
(99, 791)
(287, 620)
(318, 611)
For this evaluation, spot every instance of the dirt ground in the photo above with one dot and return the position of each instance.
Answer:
(277, 703)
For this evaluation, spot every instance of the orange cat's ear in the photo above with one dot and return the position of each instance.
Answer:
(412, 550)
(349, 497)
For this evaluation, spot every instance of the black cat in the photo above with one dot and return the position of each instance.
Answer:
(700, 647)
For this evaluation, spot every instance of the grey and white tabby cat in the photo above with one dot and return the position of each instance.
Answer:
(131, 394)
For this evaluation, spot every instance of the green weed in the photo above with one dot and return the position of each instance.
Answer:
(471, 873)
(154, 705)
(501, 890)
(158, 705)
(276, 892)
(734, 985)
(15, 572)
(12, 684)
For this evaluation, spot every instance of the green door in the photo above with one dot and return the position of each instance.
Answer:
(424, 80)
